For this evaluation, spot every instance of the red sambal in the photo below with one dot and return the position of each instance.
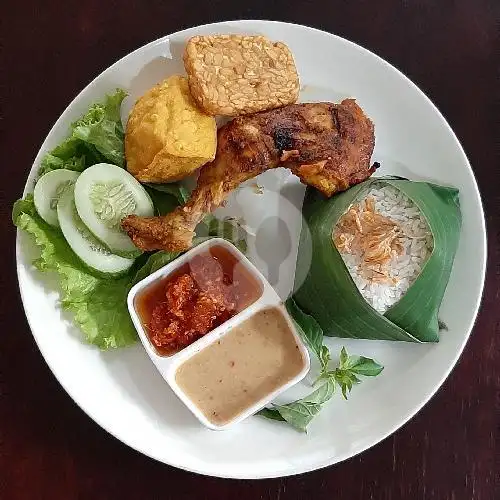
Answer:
(197, 298)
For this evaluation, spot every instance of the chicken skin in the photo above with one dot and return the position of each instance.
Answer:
(328, 146)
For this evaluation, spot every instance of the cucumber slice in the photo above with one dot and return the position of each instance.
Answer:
(49, 188)
(91, 252)
(104, 195)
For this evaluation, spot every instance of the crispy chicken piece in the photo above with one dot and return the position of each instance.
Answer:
(326, 145)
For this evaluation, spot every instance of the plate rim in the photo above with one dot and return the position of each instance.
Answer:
(303, 468)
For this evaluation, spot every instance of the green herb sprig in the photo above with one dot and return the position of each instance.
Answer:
(299, 413)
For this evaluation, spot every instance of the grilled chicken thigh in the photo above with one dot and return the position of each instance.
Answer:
(326, 145)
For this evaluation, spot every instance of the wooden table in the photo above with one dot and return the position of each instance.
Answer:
(50, 449)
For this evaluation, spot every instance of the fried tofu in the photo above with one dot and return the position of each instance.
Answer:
(167, 136)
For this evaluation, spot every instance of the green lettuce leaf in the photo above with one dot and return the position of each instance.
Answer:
(102, 128)
(51, 162)
(96, 137)
(99, 305)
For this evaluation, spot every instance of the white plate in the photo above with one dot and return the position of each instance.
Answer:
(122, 391)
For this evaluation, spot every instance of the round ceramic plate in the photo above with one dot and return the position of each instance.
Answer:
(121, 389)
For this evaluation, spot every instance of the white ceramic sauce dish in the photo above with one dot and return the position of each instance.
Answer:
(168, 365)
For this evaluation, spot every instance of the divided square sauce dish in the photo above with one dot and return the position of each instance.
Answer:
(283, 359)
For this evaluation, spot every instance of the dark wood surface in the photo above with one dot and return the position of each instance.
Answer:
(50, 449)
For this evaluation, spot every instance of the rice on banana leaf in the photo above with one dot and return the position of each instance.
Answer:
(341, 289)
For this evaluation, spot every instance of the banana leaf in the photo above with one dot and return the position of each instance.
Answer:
(330, 295)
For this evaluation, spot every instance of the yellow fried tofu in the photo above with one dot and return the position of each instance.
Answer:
(167, 136)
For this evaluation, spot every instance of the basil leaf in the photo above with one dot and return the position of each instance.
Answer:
(300, 413)
(153, 263)
(309, 330)
(324, 357)
(346, 379)
(228, 229)
(362, 366)
(343, 357)
(271, 414)
(163, 202)
(174, 189)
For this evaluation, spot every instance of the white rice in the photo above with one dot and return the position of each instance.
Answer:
(417, 244)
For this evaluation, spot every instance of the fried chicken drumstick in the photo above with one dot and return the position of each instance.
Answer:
(326, 145)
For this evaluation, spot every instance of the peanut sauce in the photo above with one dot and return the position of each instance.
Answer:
(249, 362)
(199, 296)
